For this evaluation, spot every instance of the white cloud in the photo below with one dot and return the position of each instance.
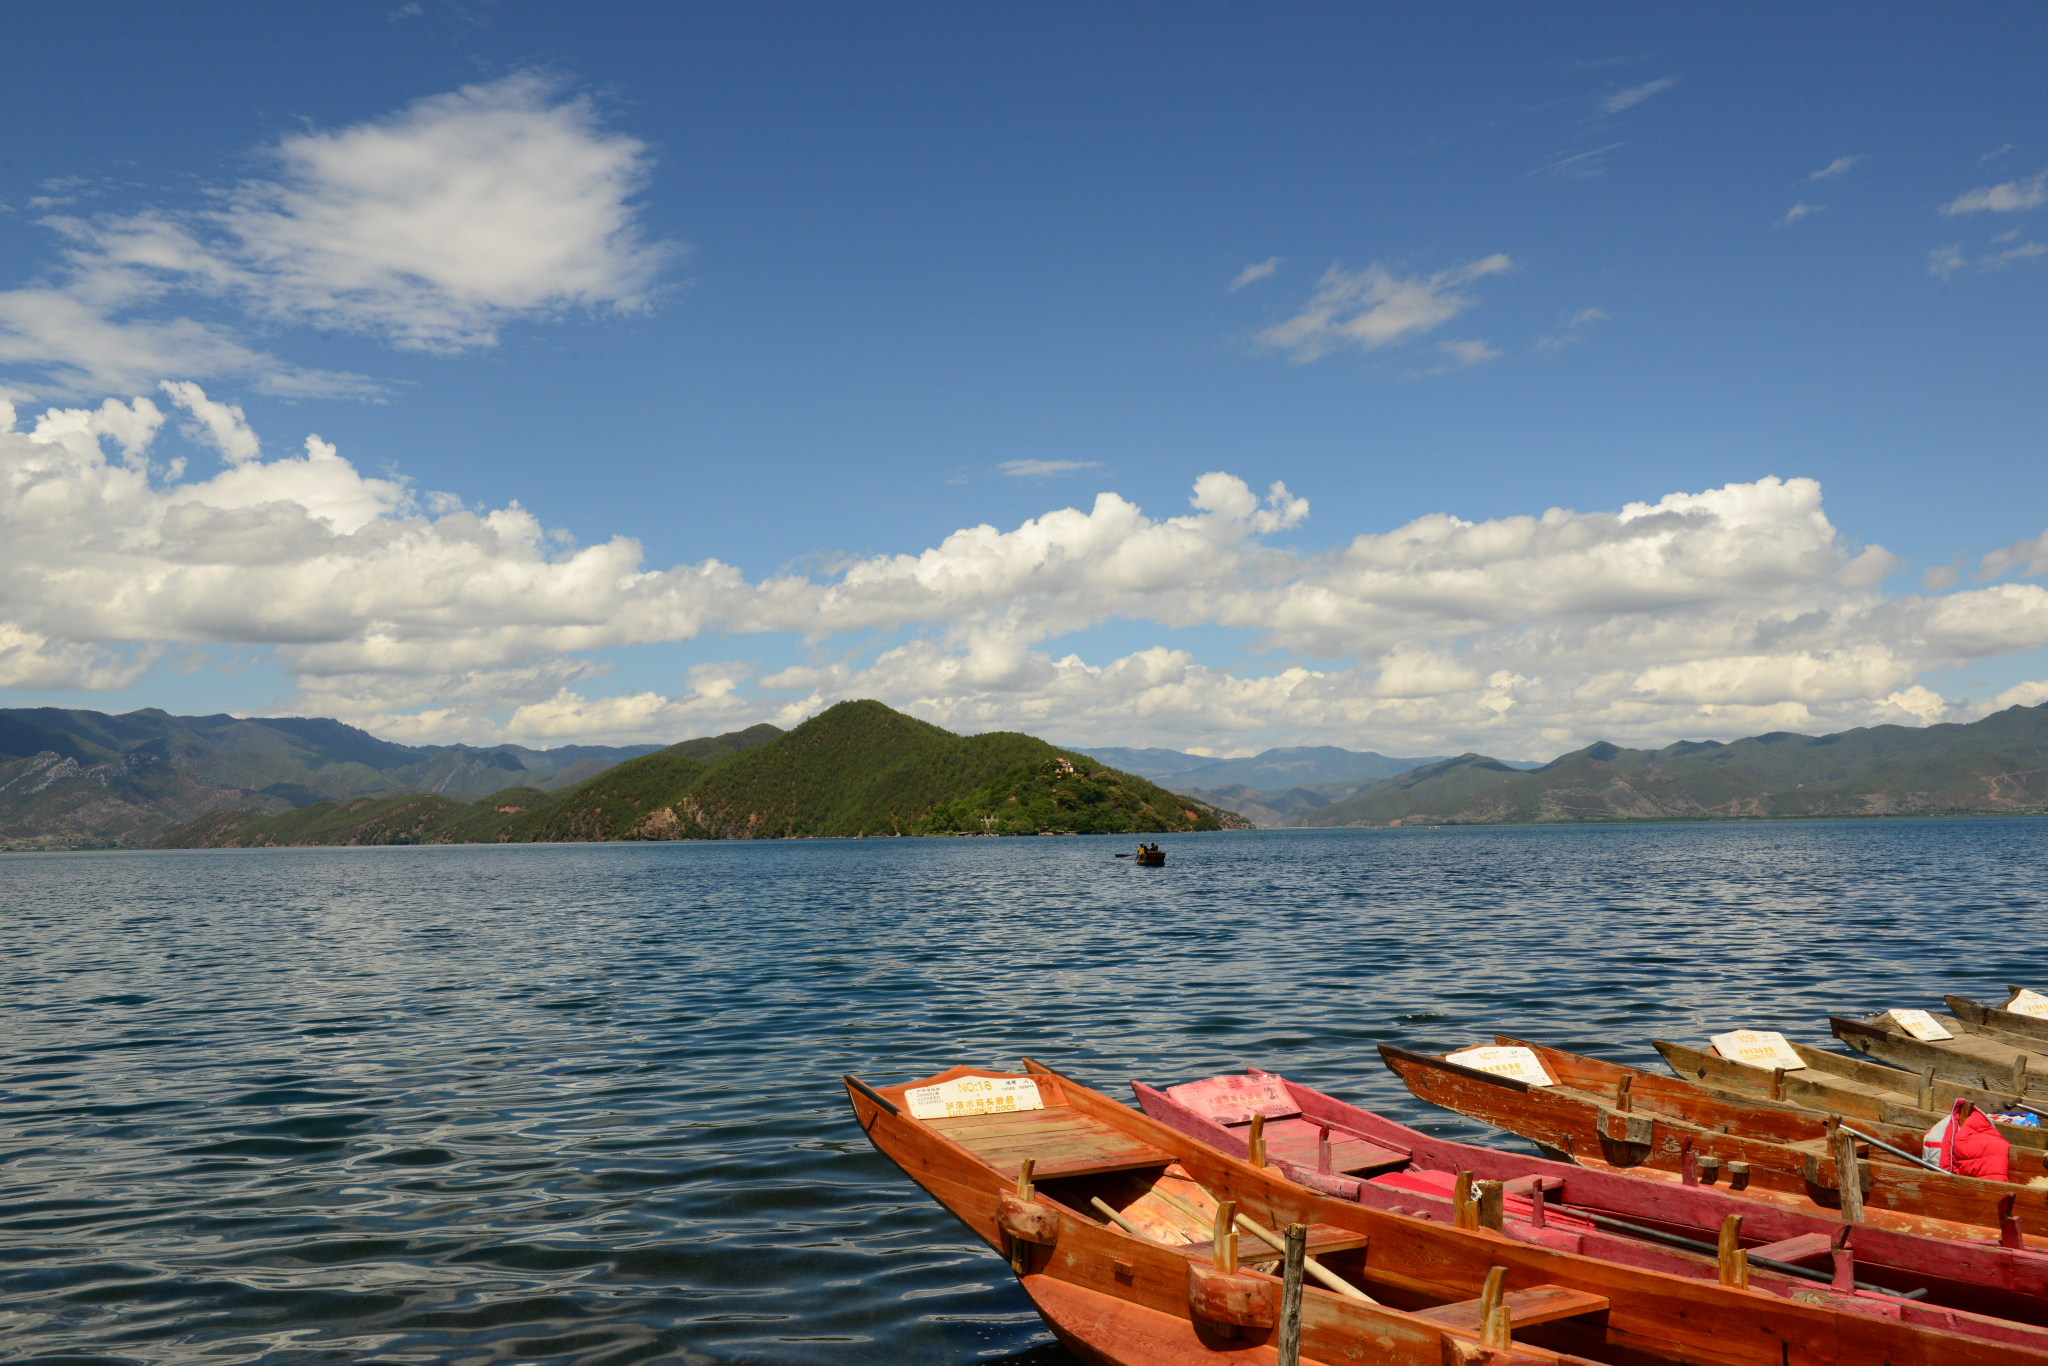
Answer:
(1461, 355)
(1635, 95)
(429, 229)
(2025, 251)
(1258, 270)
(1836, 169)
(1556, 342)
(1797, 212)
(2010, 197)
(1373, 307)
(1027, 468)
(1944, 262)
(1716, 613)
(1580, 165)
(1993, 156)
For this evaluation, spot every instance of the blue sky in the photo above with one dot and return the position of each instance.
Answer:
(830, 286)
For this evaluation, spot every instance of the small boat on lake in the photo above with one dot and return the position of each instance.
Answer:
(1151, 856)
(1597, 1113)
(1140, 1246)
(1654, 1220)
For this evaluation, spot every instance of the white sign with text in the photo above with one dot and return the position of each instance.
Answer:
(2025, 1002)
(974, 1096)
(1758, 1048)
(1520, 1063)
(1919, 1024)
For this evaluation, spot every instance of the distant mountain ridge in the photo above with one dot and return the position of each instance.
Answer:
(857, 769)
(1274, 787)
(1995, 766)
(76, 777)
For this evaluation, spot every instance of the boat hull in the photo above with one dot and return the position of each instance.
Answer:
(1906, 1198)
(1621, 1316)
(1978, 1278)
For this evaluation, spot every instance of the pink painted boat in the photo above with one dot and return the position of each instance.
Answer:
(1651, 1220)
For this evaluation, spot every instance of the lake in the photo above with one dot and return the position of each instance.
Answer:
(580, 1104)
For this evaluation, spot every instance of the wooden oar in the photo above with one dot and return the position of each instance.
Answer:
(1309, 1264)
(1121, 1222)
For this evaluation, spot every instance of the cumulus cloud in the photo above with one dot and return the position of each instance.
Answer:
(1942, 262)
(1372, 308)
(1835, 169)
(1797, 212)
(2010, 197)
(1028, 468)
(1628, 99)
(430, 229)
(1712, 613)
(1258, 270)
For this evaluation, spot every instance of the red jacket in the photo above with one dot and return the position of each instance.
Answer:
(1973, 1147)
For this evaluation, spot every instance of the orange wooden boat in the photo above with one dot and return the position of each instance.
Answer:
(1591, 1120)
(1126, 1236)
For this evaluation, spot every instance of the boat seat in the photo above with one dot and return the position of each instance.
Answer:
(1323, 1239)
(1805, 1247)
(1233, 1100)
(1526, 1308)
(1295, 1139)
(1059, 1140)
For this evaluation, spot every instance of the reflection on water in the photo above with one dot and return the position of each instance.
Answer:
(580, 1104)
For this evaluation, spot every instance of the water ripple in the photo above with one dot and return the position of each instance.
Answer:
(580, 1104)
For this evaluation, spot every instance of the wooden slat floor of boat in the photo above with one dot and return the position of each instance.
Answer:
(1296, 1140)
(1526, 1308)
(1058, 1140)
(1323, 1239)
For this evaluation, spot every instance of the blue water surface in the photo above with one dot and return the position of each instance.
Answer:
(580, 1104)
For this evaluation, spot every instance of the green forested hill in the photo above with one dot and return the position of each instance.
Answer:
(1998, 765)
(859, 768)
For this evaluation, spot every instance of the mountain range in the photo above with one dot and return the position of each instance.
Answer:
(88, 779)
(857, 769)
(85, 778)
(1275, 787)
(1996, 766)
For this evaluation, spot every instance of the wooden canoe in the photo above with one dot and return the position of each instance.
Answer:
(2009, 1023)
(1983, 1060)
(1851, 1087)
(1378, 1162)
(1166, 1295)
(1584, 1127)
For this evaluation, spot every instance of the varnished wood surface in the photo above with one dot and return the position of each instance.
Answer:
(1974, 1276)
(1973, 1060)
(1855, 1097)
(1913, 1199)
(1415, 1264)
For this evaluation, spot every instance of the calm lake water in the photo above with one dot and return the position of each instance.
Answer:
(580, 1104)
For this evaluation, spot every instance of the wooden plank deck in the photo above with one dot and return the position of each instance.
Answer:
(1059, 1141)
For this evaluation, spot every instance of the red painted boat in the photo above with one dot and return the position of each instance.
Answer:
(1116, 1227)
(1626, 1217)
